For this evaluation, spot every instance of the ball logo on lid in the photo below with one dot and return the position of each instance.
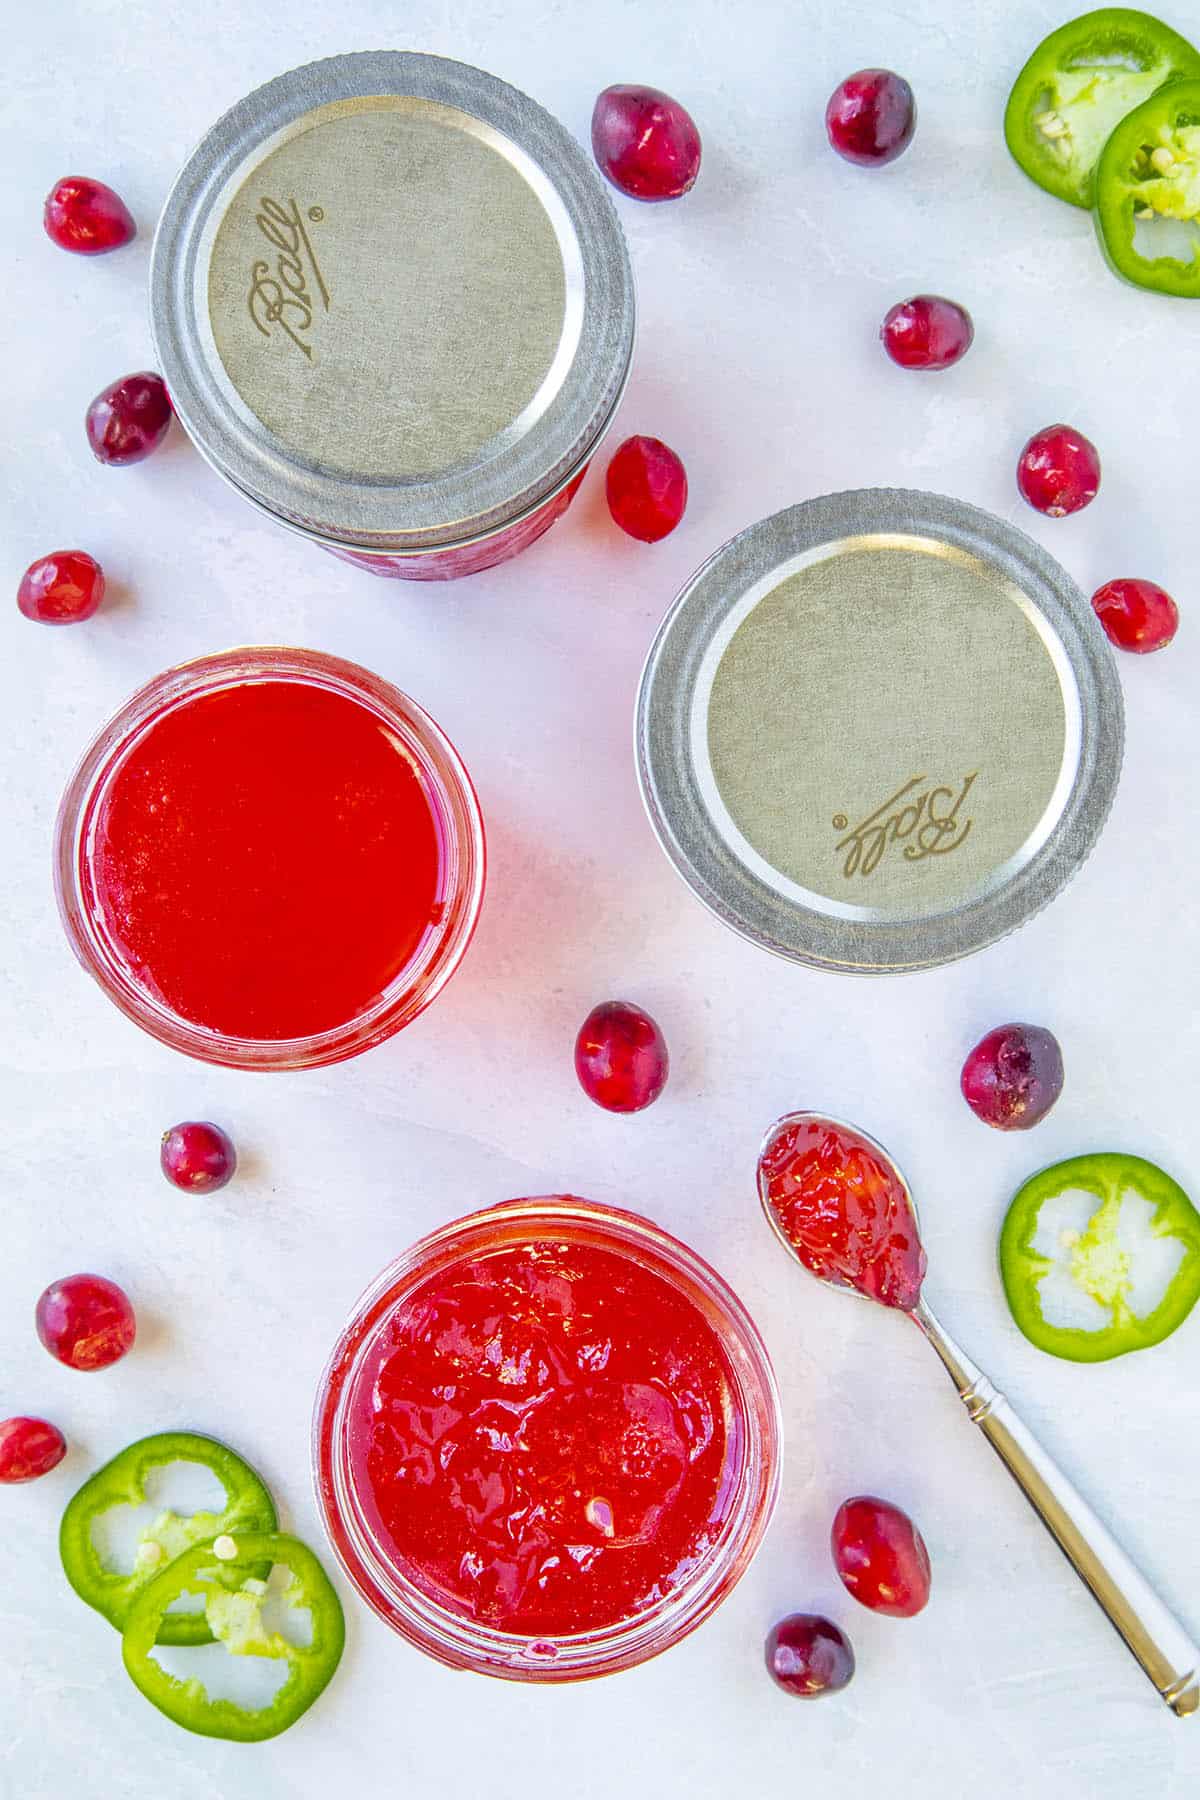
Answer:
(281, 294)
(928, 817)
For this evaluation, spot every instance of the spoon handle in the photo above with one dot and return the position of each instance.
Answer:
(1168, 1655)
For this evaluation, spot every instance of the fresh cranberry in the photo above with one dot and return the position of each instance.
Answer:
(645, 142)
(881, 1556)
(647, 489)
(1013, 1076)
(809, 1656)
(87, 218)
(197, 1157)
(129, 419)
(871, 117)
(85, 1321)
(927, 332)
(62, 588)
(1137, 615)
(1059, 471)
(621, 1057)
(29, 1448)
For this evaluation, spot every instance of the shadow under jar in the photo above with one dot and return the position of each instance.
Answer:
(394, 308)
(547, 1444)
(270, 859)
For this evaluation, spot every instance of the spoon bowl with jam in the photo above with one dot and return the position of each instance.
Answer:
(841, 1207)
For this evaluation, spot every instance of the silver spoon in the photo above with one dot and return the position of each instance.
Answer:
(1168, 1655)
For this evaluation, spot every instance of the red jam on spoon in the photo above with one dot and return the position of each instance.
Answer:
(843, 1208)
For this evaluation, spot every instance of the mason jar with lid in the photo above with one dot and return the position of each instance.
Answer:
(394, 308)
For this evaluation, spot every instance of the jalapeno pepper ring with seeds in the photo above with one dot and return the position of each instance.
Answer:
(235, 1615)
(1150, 173)
(122, 1482)
(1079, 84)
(1100, 1255)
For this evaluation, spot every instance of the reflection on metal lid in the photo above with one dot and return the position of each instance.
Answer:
(878, 731)
(392, 301)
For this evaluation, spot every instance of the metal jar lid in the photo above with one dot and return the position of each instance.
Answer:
(878, 731)
(392, 301)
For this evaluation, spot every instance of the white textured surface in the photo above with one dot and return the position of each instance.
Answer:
(760, 297)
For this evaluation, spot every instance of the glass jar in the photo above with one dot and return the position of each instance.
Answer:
(466, 559)
(749, 1479)
(394, 307)
(445, 787)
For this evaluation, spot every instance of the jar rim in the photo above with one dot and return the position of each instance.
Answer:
(452, 1637)
(448, 789)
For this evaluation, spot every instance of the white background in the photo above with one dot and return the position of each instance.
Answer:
(760, 299)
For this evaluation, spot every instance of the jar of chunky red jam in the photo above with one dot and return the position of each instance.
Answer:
(394, 308)
(548, 1441)
(270, 858)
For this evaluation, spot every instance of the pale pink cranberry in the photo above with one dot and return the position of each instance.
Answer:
(871, 117)
(62, 588)
(1013, 1076)
(927, 332)
(87, 218)
(621, 1057)
(197, 1156)
(1059, 471)
(881, 1556)
(809, 1656)
(29, 1448)
(645, 142)
(85, 1321)
(130, 419)
(1137, 615)
(647, 489)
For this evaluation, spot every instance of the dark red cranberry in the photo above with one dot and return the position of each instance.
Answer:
(1059, 471)
(197, 1157)
(129, 419)
(1137, 615)
(621, 1057)
(645, 142)
(927, 332)
(881, 1556)
(87, 218)
(29, 1448)
(1013, 1076)
(647, 489)
(871, 117)
(62, 588)
(809, 1656)
(85, 1321)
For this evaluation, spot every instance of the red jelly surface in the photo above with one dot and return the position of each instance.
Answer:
(544, 1438)
(266, 860)
(844, 1209)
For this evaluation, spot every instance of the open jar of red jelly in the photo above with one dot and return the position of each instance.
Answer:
(547, 1444)
(394, 308)
(270, 859)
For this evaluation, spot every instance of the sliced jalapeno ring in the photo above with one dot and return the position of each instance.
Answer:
(1150, 173)
(1100, 1255)
(225, 1574)
(1079, 84)
(122, 1482)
